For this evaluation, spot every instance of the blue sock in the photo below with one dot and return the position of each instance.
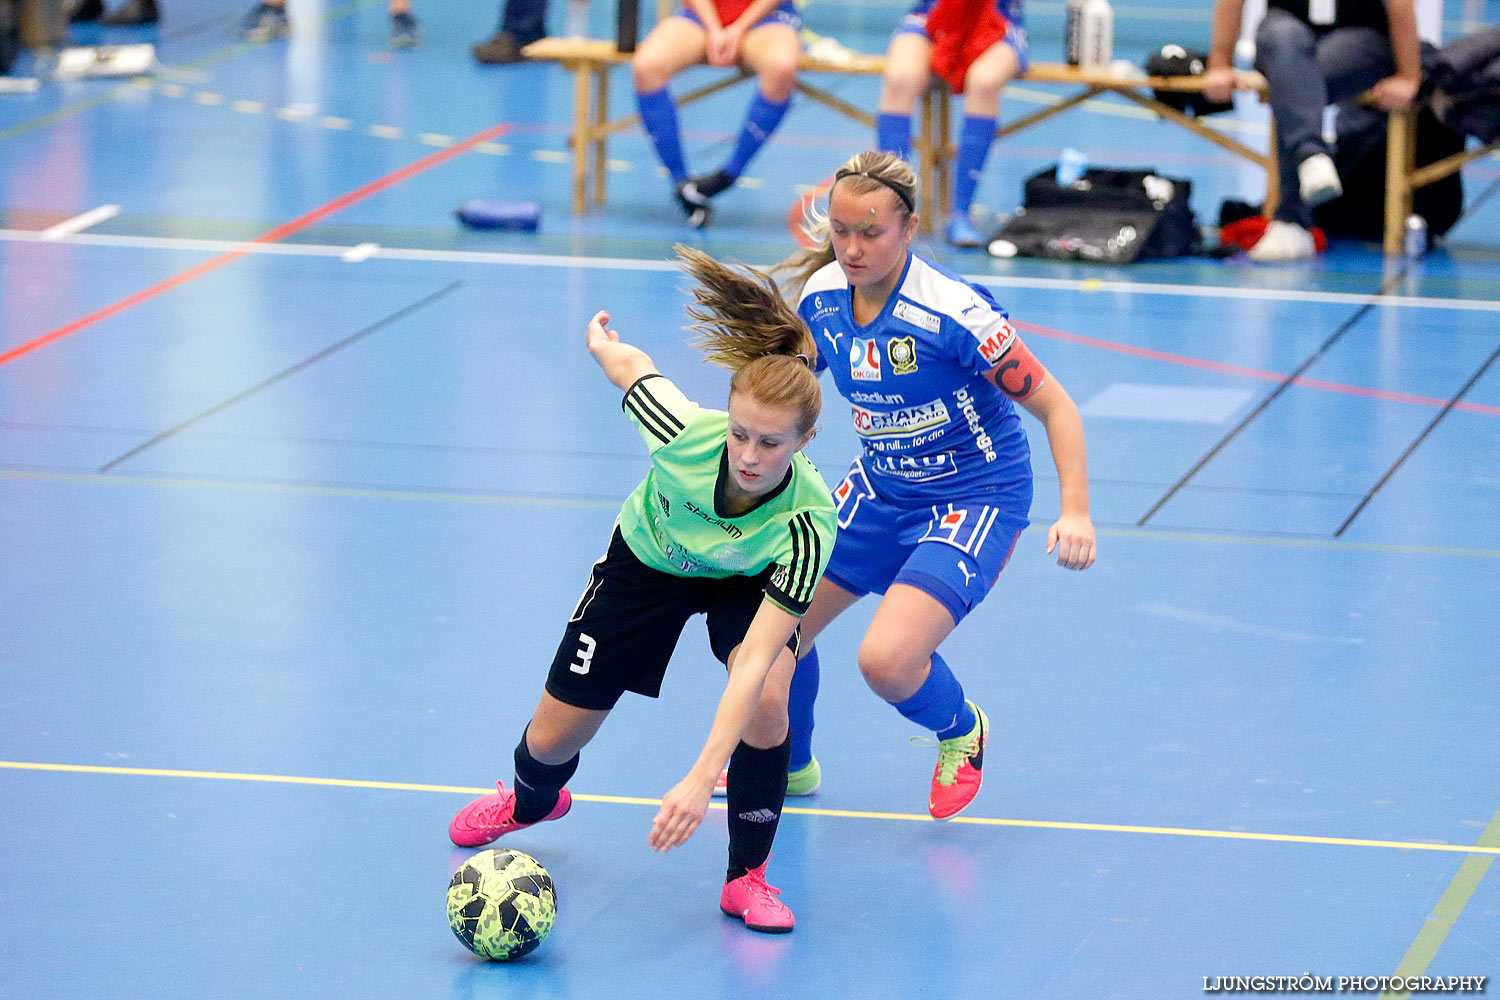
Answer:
(659, 116)
(893, 134)
(973, 146)
(760, 121)
(799, 708)
(939, 703)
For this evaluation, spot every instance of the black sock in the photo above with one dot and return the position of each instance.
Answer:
(757, 791)
(537, 784)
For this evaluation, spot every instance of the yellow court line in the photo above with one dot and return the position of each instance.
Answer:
(1170, 831)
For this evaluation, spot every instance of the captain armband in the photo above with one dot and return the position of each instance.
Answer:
(1018, 373)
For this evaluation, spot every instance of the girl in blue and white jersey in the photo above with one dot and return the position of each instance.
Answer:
(933, 504)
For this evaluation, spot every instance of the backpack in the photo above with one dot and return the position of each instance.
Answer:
(1111, 216)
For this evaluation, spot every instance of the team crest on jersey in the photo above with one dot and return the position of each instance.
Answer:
(916, 317)
(903, 354)
(864, 360)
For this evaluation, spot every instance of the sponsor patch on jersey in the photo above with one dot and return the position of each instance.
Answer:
(822, 311)
(887, 398)
(905, 421)
(916, 317)
(993, 347)
(902, 352)
(916, 469)
(864, 360)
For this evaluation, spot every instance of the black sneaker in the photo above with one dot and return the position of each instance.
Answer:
(713, 185)
(694, 205)
(405, 33)
(501, 49)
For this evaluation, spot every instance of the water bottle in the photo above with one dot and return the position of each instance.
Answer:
(1073, 14)
(1096, 35)
(577, 23)
(1070, 167)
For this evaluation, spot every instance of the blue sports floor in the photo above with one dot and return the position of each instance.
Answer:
(299, 481)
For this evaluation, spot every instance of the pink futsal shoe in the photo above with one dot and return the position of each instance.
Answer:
(750, 899)
(491, 816)
(960, 769)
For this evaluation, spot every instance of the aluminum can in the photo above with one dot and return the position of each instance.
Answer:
(1416, 235)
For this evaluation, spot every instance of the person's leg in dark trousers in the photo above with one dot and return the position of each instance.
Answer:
(1305, 73)
(521, 23)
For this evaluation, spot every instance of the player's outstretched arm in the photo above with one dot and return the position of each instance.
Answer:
(683, 808)
(623, 364)
(1072, 536)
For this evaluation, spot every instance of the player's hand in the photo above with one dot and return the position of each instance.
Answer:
(722, 47)
(599, 334)
(682, 809)
(1218, 84)
(1073, 539)
(1396, 93)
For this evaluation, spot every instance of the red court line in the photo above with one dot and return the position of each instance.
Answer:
(1255, 373)
(281, 232)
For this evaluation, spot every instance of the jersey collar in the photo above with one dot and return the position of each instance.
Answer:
(721, 506)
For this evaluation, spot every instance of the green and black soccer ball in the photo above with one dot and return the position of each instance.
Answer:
(501, 904)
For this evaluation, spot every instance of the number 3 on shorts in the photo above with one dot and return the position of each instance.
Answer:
(585, 654)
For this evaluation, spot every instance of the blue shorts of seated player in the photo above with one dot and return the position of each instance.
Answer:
(785, 14)
(953, 552)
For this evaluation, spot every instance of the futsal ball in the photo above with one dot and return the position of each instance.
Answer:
(501, 904)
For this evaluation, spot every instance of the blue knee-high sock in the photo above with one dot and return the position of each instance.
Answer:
(760, 121)
(893, 134)
(939, 703)
(659, 115)
(799, 708)
(973, 146)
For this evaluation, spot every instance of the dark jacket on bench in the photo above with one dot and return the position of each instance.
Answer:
(1465, 85)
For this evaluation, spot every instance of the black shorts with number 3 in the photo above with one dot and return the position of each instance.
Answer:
(629, 619)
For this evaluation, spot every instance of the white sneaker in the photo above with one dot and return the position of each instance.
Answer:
(1283, 241)
(1318, 180)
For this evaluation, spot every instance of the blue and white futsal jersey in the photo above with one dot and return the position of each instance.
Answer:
(932, 426)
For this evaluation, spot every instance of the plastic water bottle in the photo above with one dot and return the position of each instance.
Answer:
(1073, 21)
(1070, 167)
(1096, 35)
(577, 23)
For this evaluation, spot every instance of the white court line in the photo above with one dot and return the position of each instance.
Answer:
(78, 223)
(363, 251)
(1091, 285)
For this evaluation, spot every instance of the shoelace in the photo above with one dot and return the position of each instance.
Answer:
(493, 813)
(756, 883)
(951, 754)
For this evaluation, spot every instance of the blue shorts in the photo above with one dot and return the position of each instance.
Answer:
(785, 14)
(951, 551)
(915, 23)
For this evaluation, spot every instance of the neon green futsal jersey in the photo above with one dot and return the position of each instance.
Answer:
(675, 520)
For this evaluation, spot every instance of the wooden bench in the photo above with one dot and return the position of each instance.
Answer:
(1403, 176)
(590, 60)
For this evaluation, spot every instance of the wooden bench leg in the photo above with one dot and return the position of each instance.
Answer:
(582, 75)
(1273, 176)
(601, 143)
(1400, 161)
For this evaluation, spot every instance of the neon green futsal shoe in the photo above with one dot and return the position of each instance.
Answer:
(803, 781)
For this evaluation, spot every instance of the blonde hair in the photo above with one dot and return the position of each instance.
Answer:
(862, 173)
(743, 324)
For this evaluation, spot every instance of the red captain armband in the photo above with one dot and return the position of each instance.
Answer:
(1018, 374)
